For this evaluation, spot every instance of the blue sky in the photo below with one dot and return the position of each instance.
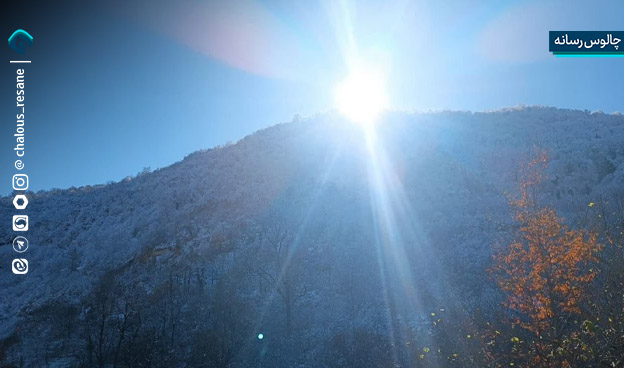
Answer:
(116, 87)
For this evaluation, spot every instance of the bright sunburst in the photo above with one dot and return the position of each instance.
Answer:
(362, 95)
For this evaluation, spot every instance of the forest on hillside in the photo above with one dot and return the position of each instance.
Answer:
(451, 269)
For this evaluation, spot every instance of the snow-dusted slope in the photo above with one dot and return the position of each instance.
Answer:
(444, 176)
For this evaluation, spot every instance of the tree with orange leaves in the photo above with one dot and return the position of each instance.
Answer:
(545, 271)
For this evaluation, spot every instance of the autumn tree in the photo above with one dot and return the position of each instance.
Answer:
(545, 272)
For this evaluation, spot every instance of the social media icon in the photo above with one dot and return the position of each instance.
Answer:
(19, 39)
(20, 266)
(20, 223)
(20, 244)
(20, 181)
(20, 201)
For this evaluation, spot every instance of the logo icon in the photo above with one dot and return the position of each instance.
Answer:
(20, 201)
(19, 39)
(20, 181)
(20, 244)
(20, 266)
(20, 223)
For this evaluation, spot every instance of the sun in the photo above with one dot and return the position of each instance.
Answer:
(361, 96)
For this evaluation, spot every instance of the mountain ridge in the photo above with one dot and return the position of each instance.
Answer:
(434, 191)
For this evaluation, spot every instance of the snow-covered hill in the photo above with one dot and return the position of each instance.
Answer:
(301, 232)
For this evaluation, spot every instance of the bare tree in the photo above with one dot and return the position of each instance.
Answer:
(281, 271)
(111, 317)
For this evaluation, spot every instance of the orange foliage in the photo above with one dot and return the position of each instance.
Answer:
(546, 269)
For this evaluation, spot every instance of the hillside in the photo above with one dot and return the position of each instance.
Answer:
(338, 251)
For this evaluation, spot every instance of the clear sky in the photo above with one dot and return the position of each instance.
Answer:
(116, 87)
